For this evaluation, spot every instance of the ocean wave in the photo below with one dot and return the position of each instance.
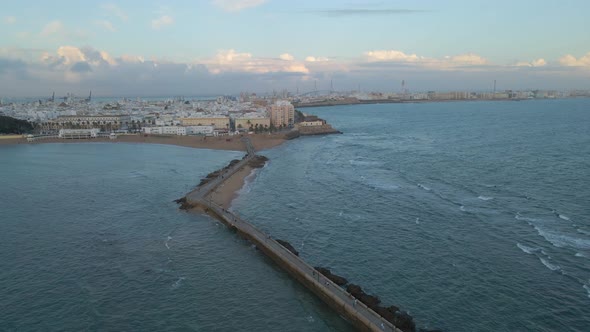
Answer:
(485, 198)
(562, 240)
(526, 249)
(423, 187)
(527, 219)
(462, 208)
(587, 288)
(177, 282)
(581, 231)
(552, 267)
(363, 162)
(579, 254)
(166, 242)
(564, 217)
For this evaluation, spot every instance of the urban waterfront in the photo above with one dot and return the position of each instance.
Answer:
(469, 215)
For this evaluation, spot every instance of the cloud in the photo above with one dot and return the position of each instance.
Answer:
(81, 67)
(162, 21)
(232, 61)
(316, 59)
(391, 55)
(9, 20)
(107, 25)
(286, 57)
(362, 11)
(468, 59)
(115, 10)
(534, 63)
(571, 61)
(237, 5)
(52, 28)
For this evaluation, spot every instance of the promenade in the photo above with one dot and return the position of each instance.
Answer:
(336, 297)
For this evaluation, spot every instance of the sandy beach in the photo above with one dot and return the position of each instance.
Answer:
(228, 190)
(260, 141)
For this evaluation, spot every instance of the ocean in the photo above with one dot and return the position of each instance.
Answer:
(472, 216)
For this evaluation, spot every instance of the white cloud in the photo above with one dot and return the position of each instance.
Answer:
(571, 61)
(316, 59)
(9, 20)
(286, 57)
(232, 61)
(391, 55)
(107, 25)
(52, 28)
(535, 63)
(468, 59)
(162, 21)
(115, 10)
(237, 5)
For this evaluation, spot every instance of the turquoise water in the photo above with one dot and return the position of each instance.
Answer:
(471, 216)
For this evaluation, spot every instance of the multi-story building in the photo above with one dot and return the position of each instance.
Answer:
(247, 123)
(282, 113)
(221, 122)
(179, 130)
(88, 121)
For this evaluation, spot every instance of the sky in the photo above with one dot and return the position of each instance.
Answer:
(206, 47)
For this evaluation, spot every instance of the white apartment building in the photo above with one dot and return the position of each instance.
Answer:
(78, 133)
(282, 112)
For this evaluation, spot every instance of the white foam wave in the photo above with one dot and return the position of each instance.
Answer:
(177, 282)
(581, 231)
(562, 240)
(417, 220)
(552, 267)
(423, 187)
(564, 217)
(527, 219)
(166, 242)
(579, 254)
(462, 208)
(526, 249)
(485, 198)
(587, 288)
(361, 162)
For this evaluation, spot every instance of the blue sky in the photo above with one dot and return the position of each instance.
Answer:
(258, 45)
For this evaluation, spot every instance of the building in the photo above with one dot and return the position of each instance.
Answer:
(179, 130)
(166, 130)
(247, 123)
(221, 122)
(282, 113)
(89, 121)
(78, 133)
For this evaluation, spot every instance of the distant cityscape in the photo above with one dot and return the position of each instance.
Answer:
(222, 115)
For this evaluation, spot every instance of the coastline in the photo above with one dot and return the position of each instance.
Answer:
(230, 188)
(260, 141)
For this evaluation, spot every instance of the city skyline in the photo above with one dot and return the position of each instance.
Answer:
(228, 46)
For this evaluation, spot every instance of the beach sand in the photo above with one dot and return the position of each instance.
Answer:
(260, 141)
(228, 190)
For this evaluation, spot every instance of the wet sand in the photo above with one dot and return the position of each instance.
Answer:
(228, 190)
(260, 141)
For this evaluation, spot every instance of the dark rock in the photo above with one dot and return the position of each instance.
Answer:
(369, 300)
(404, 322)
(184, 204)
(288, 246)
(338, 280)
(257, 161)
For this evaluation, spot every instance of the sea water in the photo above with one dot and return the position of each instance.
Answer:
(472, 216)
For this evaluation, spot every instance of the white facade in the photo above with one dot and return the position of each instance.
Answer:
(78, 133)
(179, 130)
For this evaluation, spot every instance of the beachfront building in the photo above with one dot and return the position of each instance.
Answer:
(88, 121)
(165, 130)
(249, 123)
(179, 130)
(282, 112)
(78, 133)
(220, 122)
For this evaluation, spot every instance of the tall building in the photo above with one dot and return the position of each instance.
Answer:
(282, 112)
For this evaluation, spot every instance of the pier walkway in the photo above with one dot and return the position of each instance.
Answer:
(336, 297)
